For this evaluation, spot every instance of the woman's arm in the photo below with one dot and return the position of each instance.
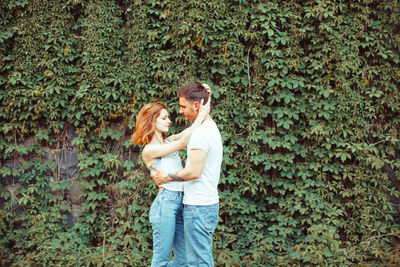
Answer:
(185, 134)
(178, 141)
(153, 151)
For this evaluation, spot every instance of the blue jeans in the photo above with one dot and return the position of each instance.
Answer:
(199, 223)
(167, 222)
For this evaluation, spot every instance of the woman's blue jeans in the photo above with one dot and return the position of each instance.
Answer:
(167, 222)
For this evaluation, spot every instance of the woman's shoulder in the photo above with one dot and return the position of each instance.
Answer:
(145, 152)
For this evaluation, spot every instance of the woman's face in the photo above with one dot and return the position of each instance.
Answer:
(162, 121)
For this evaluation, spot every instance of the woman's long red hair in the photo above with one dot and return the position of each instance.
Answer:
(145, 123)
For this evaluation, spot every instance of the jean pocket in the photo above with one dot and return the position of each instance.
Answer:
(154, 213)
(171, 197)
(211, 220)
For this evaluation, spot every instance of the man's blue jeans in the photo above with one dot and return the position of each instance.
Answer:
(200, 223)
(167, 222)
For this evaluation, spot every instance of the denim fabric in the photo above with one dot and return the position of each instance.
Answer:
(167, 222)
(199, 224)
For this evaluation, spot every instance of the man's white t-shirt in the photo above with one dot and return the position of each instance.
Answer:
(204, 191)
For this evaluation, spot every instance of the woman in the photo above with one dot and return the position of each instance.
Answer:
(151, 129)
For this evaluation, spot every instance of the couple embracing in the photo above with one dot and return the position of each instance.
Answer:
(184, 214)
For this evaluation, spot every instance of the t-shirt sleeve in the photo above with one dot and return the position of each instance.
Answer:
(199, 140)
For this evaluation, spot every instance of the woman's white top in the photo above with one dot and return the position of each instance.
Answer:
(169, 164)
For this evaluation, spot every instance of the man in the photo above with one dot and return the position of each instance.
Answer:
(201, 173)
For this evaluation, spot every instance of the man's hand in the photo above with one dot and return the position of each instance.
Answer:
(159, 177)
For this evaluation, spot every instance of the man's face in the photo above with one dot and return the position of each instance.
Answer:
(188, 109)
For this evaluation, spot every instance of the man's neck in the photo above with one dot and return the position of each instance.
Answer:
(207, 118)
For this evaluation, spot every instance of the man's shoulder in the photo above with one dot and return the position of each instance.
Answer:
(209, 124)
(206, 136)
(207, 127)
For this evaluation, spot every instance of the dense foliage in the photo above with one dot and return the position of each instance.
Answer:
(306, 95)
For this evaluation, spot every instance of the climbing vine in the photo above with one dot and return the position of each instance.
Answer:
(305, 94)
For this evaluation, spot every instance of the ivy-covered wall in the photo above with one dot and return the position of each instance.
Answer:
(305, 93)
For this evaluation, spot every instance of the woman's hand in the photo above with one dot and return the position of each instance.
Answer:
(205, 109)
(207, 87)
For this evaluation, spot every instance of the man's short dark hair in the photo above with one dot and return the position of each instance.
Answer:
(193, 92)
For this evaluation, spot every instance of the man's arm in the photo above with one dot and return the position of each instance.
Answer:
(193, 171)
